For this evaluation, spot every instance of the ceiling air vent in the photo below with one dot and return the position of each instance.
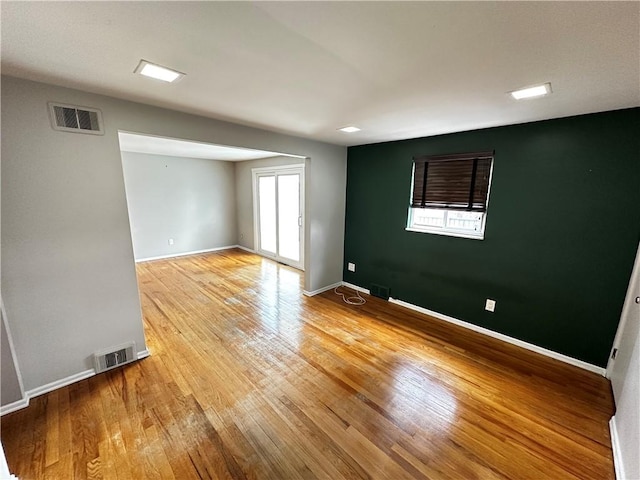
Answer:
(114, 357)
(71, 118)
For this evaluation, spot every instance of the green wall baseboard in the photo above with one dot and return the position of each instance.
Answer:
(490, 333)
(505, 338)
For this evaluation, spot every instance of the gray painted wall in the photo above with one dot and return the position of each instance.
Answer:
(190, 200)
(68, 274)
(10, 389)
(9, 385)
(68, 277)
(244, 195)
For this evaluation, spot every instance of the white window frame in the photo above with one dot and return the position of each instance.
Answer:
(449, 231)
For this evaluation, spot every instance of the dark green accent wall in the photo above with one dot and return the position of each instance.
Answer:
(562, 230)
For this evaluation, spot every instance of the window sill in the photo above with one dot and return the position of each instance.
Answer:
(446, 234)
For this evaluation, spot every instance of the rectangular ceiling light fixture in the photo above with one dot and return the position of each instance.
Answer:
(158, 72)
(349, 129)
(530, 92)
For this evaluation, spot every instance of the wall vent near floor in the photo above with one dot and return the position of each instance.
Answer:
(71, 118)
(379, 291)
(114, 357)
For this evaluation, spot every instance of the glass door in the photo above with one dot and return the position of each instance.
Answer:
(267, 214)
(278, 202)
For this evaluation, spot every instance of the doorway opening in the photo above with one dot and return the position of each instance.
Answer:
(278, 199)
(186, 197)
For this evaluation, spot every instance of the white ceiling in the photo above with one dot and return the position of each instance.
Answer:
(132, 142)
(395, 69)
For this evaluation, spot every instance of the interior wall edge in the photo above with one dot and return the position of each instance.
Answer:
(16, 365)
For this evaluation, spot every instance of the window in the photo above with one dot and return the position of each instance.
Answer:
(450, 194)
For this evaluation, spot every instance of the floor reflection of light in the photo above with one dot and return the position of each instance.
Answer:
(415, 390)
(279, 299)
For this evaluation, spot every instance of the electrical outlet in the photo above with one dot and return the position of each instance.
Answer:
(171, 241)
(241, 236)
(490, 305)
(351, 267)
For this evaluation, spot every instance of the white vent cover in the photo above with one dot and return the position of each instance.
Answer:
(114, 357)
(71, 118)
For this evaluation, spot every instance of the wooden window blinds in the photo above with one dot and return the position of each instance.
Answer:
(455, 182)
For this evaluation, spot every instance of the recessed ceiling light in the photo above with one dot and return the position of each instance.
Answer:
(158, 72)
(350, 129)
(530, 92)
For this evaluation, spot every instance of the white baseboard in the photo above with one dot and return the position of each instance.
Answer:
(184, 254)
(615, 445)
(143, 354)
(356, 287)
(246, 249)
(321, 290)
(49, 387)
(63, 382)
(13, 406)
(504, 338)
(484, 331)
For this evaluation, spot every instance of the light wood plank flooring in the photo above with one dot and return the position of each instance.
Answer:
(250, 379)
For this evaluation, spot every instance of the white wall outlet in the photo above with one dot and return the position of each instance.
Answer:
(351, 267)
(241, 236)
(171, 241)
(490, 305)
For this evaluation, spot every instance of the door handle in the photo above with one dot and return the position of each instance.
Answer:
(637, 299)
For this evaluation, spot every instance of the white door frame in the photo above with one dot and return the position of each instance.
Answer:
(278, 170)
(629, 304)
(623, 373)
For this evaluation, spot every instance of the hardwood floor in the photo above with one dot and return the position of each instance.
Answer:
(250, 379)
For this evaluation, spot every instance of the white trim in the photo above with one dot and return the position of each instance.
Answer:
(143, 354)
(356, 287)
(278, 167)
(629, 303)
(246, 249)
(447, 233)
(183, 254)
(615, 446)
(63, 382)
(49, 387)
(321, 290)
(254, 212)
(13, 406)
(12, 348)
(505, 338)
